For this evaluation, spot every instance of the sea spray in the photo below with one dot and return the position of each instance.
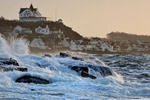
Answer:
(19, 46)
(4, 47)
(13, 47)
(66, 84)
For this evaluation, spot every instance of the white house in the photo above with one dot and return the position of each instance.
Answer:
(41, 30)
(19, 29)
(38, 43)
(30, 14)
(106, 46)
(65, 43)
(73, 45)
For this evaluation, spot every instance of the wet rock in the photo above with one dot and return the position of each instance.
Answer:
(143, 75)
(8, 61)
(32, 79)
(83, 71)
(47, 55)
(32, 89)
(77, 58)
(104, 71)
(5, 69)
(21, 69)
(45, 65)
(62, 54)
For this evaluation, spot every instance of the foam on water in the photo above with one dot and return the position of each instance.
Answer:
(66, 84)
(4, 47)
(19, 46)
(14, 46)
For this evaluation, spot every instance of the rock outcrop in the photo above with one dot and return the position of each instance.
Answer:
(5, 65)
(62, 54)
(5, 69)
(31, 79)
(83, 70)
(8, 61)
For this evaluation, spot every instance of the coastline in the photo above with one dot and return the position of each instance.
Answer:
(54, 51)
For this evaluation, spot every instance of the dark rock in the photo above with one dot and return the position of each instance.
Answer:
(77, 58)
(64, 55)
(32, 79)
(83, 71)
(143, 75)
(5, 69)
(8, 61)
(92, 77)
(32, 89)
(47, 55)
(103, 70)
(21, 69)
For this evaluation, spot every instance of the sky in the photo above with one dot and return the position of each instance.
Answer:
(90, 18)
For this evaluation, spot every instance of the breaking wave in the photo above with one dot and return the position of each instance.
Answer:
(14, 46)
(67, 83)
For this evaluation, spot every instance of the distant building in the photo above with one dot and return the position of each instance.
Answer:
(41, 30)
(19, 29)
(30, 14)
(38, 43)
(65, 43)
(60, 21)
(73, 45)
(106, 47)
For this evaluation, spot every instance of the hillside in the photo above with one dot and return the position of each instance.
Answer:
(120, 36)
(10, 24)
(50, 36)
(58, 31)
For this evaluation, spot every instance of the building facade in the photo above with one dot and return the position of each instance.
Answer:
(30, 14)
(44, 30)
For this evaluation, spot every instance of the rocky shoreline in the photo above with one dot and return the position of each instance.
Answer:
(54, 51)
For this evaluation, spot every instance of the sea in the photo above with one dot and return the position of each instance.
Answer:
(131, 82)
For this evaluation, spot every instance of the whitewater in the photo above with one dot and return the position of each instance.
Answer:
(130, 79)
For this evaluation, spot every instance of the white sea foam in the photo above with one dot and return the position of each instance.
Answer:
(66, 83)
(19, 46)
(4, 47)
(13, 46)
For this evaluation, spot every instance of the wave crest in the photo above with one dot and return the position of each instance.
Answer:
(16, 46)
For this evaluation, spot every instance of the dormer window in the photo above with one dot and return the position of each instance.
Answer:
(28, 12)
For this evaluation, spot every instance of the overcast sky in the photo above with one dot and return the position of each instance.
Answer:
(93, 18)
